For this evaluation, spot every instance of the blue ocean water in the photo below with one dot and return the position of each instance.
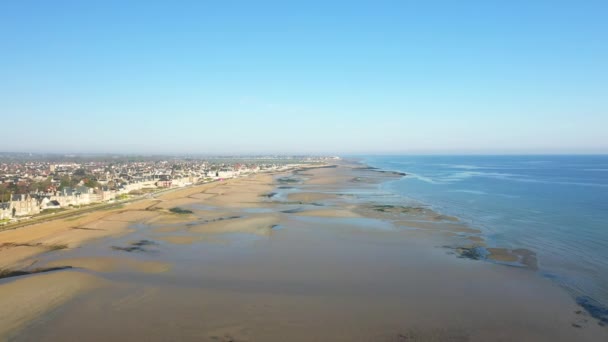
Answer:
(556, 206)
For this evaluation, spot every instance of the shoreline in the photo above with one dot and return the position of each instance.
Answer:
(515, 256)
(319, 235)
(477, 247)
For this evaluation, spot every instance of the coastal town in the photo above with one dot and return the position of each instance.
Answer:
(34, 185)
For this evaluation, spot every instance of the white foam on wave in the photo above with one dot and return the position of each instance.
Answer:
(511, 177)
(458, 176)
(536, 161)
(422, 178)
(515, 178)
(461, 166)
(474, 192)
(531, 180)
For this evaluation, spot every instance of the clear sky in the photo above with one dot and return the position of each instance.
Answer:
(304, 77)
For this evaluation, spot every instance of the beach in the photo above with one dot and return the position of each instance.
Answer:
(311, 254)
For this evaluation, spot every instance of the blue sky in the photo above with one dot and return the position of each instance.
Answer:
(307, 77)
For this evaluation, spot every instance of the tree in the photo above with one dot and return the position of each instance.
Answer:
(5, 193)
(80, 172)
(91, 183)
(43, 185)
(24, 187)
(65, 182)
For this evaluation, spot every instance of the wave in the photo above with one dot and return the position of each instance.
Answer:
(531, 180)
(422, 178)
(520, 208)
(469, 174)
(459, 176)
(486, 167)
(536, 162)
(474, 192)
(462, 166)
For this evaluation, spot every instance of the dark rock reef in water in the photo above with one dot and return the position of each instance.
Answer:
(375, 169)
(595, 308)
(387, 208)
(474, 253)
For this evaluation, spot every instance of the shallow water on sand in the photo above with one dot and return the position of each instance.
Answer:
(556, 206)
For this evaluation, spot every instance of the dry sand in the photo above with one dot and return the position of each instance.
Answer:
(179, 202)
(22, 244)
(17, 257)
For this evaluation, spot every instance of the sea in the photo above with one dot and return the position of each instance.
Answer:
(554, 205)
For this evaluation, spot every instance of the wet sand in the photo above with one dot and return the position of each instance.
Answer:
(32, 297)
(318, 254)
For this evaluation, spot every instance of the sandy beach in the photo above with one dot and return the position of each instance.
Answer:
(307, 255)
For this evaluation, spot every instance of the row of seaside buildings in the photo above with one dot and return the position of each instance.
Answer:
(111, 181)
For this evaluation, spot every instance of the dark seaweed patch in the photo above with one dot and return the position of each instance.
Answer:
(317, 167)
(269, 195)
(83, 228)
(287, 180)
(178, 210)
(395, 173)
(375, 169)
(228, 218)
(594, 308)
(383, 208)
(143, 243)
(473, 253)
(135, 246)
(9, 273)
(212, 220)
(128, 249)
(39, 244)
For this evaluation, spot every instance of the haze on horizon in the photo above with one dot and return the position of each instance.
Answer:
(279, 77)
